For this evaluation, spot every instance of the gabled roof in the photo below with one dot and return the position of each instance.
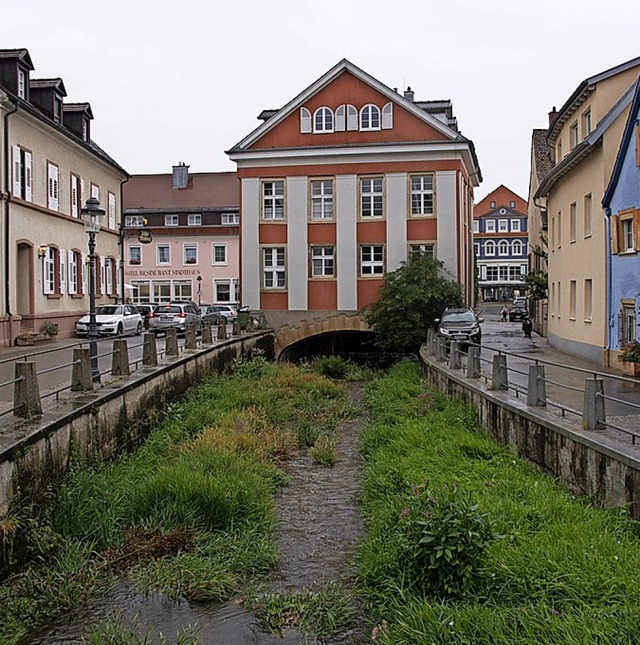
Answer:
(627, 137)
(484, 207)
(44, 83)
(78, 107)
(582, 91)
(587, 146)
(21, 55)
(324, 80)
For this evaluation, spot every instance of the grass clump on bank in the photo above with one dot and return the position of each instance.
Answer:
(468, 544)
(191, 513)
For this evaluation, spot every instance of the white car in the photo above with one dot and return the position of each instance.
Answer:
(112, 319)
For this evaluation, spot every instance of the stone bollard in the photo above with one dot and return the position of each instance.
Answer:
(171, 342)
(537, 388)
(594, 413)
(149, 350)
(207, 336)
(81, 380)
(190, 337)
(120, 358)
(26, 391)
(499, 376)
(222, 330)
(454, 356)
(473, 362)
(235, 329)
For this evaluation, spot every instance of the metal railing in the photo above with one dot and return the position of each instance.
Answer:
(599, 392)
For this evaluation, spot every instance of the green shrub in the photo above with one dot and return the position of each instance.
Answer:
(330, 366)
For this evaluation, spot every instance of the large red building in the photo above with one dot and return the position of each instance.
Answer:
(343, 183)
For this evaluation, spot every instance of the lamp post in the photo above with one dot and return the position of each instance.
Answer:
(199, 281)
(92, 216)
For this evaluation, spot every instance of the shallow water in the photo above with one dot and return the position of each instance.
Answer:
(319, 526)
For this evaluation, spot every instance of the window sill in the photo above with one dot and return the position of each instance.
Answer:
(54, 296)
(77, 296)
(588, 320)
(572, 241)
(588, 235)
(572, 318)
(628, 252)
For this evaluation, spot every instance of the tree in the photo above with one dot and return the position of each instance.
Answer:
(412, 297)
(537, 280)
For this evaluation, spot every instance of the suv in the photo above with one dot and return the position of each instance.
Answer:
(145, 311)
(174, 315)
(460, 324)
(519, 310)
(225, 311)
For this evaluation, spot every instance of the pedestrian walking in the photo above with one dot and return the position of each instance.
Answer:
(527, 326)
(504, 313)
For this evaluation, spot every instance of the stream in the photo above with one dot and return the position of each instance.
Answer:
(319, 527)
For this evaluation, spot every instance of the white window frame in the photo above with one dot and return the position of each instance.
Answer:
(322, 262)
(95, 191)
(22, 174)
(340, 124)
(371, 260)
(172, 220)
(574, 139)
(503, 226)
(75, 196)
(22, 84)
(573, 221)
(134, 250)
(490, 226)
(49, 271)
(189, 251)
(586, 123)
(588, 300)
(588, 215)
(274, 268)
(490, 248)
(321, 200)
(159, 262)
(134, 221)
(273, 200)
(230, 219)
(476, 226)
(53, 186)
(216, 291)
(111, 210)
(218, 247)
(305, 121)
(370, 117)
(503, 248)
(422, 195)
(72, 271)
(573, 288)
(516, 247)
(427, 249)
(323, 120)
(194, 219)
(371, 197)
(387, 116)
(515, 226)
(628, 242)
(352, 118)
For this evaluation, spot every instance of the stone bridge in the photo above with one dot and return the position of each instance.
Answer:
(291, 327)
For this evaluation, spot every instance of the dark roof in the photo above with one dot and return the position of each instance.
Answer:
(624, 145)
(215, 190)
(43, 83)
(17, 54)
(267, 114)
(541, 153)
(78, 107)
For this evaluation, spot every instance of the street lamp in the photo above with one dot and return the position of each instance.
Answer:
(199, 281)
(92, 216)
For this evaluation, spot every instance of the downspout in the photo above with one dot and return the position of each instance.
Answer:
(5, 197)
(608, 281)
(121, 237)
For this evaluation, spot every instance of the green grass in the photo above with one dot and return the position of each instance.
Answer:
(206, 475)
(561, 570)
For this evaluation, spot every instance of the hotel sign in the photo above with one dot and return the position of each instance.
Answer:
(144, 236)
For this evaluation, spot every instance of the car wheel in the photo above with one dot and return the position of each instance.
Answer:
(139, 329)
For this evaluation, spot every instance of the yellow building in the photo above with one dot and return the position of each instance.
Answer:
(584, 137)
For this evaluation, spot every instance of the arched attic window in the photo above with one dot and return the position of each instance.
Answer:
(370, 117)
(387, 116)
(305, 120)
(323, 120)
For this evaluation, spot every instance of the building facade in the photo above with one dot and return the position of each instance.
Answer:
(622, 209)
(343, 183)
(584, 136)
(193, 221)
(50, 167)
(500, 245)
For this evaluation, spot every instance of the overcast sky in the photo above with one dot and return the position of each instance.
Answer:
(184, 80)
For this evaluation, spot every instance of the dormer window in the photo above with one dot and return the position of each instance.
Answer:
(22, 84)
(370, 118)
(85, 130)
(57, 109)
(323, 120)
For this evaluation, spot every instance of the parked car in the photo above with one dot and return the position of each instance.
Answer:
(228, 311)
(145, 311)
(520, 301)
(518, 312)
(211, 314)
(174, 315)
(460, 324)
(114, 320)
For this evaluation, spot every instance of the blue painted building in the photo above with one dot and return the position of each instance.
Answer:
(621, 204)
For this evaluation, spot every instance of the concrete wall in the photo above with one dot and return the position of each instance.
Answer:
(589, 464)
(112, 420)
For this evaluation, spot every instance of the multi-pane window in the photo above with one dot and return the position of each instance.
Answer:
(372, 260)
(273, 200)
(75, 272)
(489, 247)
(515, 225)
(182, 290)
(219, 253)
(135, 255)
(95, 191)
(514, 274)
(627, 235)
(230, 218)
(503, 226)
(573, 216)
(222, 291)
(588, 299)
(503, 247)
(503, 273)
(492, 204)
(74, 194)
(191, 254)
(273, 268)
(22, 84)
(52, 186)
(171, 220)
(51, 271)
(370, 118)
(492, 273)
(476, 226)
(516, 247)
(22, 177)
(628, 331)
(134, 221)
(476, 248)
(164, 254)
(573, 135)
(588, 215)
(490, 226)
(322, 262)
(110, 278)
(429, 250)
(194, 219)
(323, 120)
(371, 197)
(322, 199)
(422, 195)
(586, 123)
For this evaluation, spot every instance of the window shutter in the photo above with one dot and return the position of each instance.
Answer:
(81, 196)
(72, 273)
(17, 172)
(48, 271)
(636, 228)
(613, 224)
(387, 116)
(83, 286)
(28, 180)
(52, 182)
(341, 123)
(305, 121)
(112, 210)
(63, 272)
(74, 196)
(101, 274)
(352, 118)
(119, 269)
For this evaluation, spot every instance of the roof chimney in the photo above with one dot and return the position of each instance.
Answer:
(552, 115)
(180, 176)
(408, 94)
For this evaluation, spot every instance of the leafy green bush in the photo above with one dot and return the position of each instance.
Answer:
(330, 366)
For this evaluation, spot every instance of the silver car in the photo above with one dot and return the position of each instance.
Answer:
(174, 315)
(114, 320)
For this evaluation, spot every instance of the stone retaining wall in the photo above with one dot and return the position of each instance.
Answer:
(589, 464)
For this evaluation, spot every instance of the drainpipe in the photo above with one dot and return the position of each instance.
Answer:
(608, 282)
(4, 99)
(121, 237)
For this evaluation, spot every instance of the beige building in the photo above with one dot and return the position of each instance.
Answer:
(50, 167)
(584, 137)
